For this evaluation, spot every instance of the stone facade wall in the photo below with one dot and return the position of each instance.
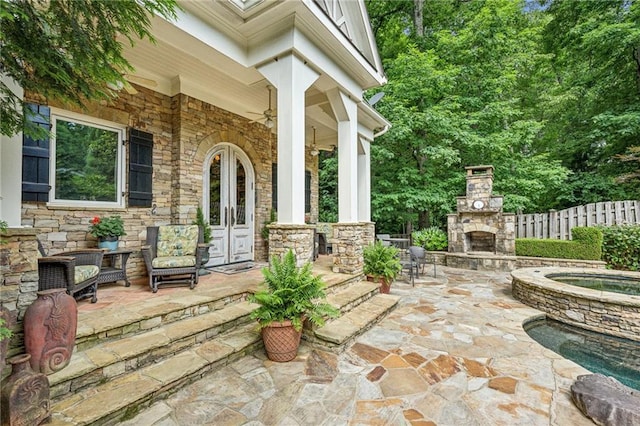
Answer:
(299, 238)
(185, 129)
(622, 320)
(348, 241)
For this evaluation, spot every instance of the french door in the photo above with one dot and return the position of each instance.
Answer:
(230, 193)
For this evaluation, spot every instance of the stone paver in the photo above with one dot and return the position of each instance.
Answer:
(453, 352)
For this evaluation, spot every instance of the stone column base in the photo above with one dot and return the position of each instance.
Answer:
(348, 241)
(299, 238)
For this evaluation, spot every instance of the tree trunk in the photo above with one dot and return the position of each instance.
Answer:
(418, 8)
(423, 219)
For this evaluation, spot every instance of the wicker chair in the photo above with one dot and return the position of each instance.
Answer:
(173, 254)
(77, 271)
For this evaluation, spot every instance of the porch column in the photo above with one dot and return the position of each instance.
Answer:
(292, 77)
(11, 169)
(346, 111)
(364, 180)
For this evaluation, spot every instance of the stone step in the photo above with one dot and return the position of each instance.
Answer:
(146, 315)
(119, 398)
(337, 334)
(113, 358)
(337, 283)
(351, 296)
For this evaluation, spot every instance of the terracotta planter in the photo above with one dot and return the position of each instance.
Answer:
(385, 286)
(281, 341)
(25, 395)
(50, 325)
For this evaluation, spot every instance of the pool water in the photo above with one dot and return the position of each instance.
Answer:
(625, 286)
(598, 353)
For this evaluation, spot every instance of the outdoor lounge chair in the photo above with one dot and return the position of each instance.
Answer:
(173, 254)
(76, 271)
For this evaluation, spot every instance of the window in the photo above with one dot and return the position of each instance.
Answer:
(86, 161)
(274, 189)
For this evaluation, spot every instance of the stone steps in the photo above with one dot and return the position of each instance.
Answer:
(338, 333)
(114, 400)
(129, 357)
(113, 358)
(114, 323)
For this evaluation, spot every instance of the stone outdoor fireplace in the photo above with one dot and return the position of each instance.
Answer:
(480, 226)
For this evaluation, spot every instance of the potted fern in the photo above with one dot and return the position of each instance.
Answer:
(382, 264)
(291, 295)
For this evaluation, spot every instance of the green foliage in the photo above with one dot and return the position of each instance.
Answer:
(206, 229)
(69, 50)
(265, 229)
(3, 228)
(585, 245)
(432, 238)
(381, 261)
(111, 226)
(328, 187)
(292, 293)
(5, 333)
(621, 247)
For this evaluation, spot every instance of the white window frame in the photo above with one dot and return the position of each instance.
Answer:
(120, 130)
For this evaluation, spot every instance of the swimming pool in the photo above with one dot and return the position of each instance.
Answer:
(597, 352)
(600, 282)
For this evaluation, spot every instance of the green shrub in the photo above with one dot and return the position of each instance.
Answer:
(621, 247)
(432, 238)
(585, 245)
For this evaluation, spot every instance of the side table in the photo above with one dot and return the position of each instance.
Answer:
(114, 267)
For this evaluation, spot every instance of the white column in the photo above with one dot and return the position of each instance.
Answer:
(364, 180)
(291, 76)
(346, 112)
(11, 169)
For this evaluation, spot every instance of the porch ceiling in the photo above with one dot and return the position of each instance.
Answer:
(178, 62)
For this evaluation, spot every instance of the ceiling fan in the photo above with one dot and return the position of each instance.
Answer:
(268, 114)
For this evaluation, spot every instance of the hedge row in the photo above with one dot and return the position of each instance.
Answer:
(621, 247)
(585, 245)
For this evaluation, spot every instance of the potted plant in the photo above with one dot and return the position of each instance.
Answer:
(291, 296)
(206, 237)
(107, 230)
(382, 264)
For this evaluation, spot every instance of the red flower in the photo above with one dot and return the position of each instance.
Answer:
(95, 220)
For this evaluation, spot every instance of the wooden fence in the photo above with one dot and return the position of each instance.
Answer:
(558, 224)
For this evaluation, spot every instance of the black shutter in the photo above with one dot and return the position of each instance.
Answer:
(274, 186)
(307, 191)
(35, 156)
(140, 168)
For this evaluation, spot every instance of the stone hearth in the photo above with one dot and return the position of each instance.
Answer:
(480, 226)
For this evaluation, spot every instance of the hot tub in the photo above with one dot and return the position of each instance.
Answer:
(606, 312)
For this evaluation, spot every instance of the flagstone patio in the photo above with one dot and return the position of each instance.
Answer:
(452, 353)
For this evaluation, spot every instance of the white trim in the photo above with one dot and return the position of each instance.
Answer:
(119, 129)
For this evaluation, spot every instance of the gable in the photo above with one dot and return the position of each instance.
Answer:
(351, 18)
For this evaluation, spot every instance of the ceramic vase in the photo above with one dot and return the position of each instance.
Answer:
(281, 341)
(25, 395)
(50, 325)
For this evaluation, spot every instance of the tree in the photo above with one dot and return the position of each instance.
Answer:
(69, 50)
(466, 93)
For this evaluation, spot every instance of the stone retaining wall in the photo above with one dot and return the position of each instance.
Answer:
(604, 312)
(493, 262)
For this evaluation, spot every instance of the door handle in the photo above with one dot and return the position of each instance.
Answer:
(225, 217)
(233, 217)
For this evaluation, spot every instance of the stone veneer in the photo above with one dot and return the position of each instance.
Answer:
(185, 129)
(298, 238)
(348, 241)
(605, 312)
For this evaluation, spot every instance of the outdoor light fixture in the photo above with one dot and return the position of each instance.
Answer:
(314, 149)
